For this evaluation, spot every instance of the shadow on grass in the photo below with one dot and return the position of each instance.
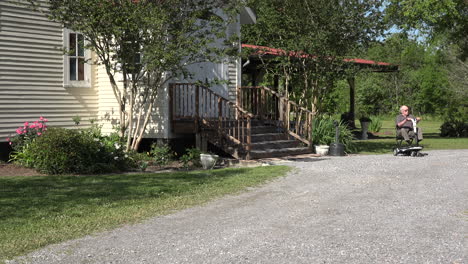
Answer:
(431, 135)
(23, 197)
(432, 141)
(375, 146)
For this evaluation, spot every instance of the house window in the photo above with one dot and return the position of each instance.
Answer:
(76, 67)
(76, 58)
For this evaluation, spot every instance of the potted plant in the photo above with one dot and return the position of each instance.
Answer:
(323, 135)
(322, 150)
(208, 161)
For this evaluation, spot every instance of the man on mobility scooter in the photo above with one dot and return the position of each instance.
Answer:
(407, 130)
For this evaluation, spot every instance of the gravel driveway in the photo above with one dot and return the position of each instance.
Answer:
(357, 209)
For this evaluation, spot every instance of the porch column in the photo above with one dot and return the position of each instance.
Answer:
(352, 91)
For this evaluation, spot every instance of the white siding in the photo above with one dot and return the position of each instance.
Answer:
(159, 123)
(109, 109)
(233, 80)
(31, 73)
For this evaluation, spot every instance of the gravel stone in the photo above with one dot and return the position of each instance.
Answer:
(355, 209)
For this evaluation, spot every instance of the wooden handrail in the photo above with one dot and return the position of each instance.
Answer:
(277, 95)
(211, 110)
(279, 110)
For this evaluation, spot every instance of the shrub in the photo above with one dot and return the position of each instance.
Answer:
(161, 154)
(61, 151)
(454, 128)
(139, 160)
(192, 156)
(112, 146)
(323, 132)
(375, 125)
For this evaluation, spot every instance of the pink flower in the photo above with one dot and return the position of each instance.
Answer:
(39, 133)
(32, 126)
(40, 125)
(19, 131)
(11, 143)
(26, 124)
(7, 139)
(41, 118)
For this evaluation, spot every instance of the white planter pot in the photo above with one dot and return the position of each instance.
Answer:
(322, 150)
(208, 161)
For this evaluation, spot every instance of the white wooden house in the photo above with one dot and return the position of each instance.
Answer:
(37, 79)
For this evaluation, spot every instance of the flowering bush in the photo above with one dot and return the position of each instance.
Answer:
(61, 150)
(27, 133)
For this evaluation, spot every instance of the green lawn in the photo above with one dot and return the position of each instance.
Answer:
(385, 141)
(37, 211)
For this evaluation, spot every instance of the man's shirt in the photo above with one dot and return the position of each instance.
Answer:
(407, 124)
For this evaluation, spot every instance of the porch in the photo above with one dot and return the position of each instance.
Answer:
(260, 124)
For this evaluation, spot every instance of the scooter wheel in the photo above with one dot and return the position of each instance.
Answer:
(395, 151)
(414, 153)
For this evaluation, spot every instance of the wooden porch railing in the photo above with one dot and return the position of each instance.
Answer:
(270, 106)
(210, 110)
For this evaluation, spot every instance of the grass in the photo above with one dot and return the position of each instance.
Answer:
(385, 142)
(38, 211)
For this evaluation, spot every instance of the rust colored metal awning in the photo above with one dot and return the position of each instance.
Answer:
(375, 65)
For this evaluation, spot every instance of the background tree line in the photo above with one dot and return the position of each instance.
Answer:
(425, 38)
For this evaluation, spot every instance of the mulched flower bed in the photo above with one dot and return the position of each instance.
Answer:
(7, 169)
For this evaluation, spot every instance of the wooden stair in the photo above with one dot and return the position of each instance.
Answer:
(259, 125)
(267, 141)
(271, 141)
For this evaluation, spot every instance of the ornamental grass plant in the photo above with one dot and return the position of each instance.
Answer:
(323, 132)
(375, 124)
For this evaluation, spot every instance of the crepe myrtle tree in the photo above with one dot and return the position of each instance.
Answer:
(145, 43)
(317, 37)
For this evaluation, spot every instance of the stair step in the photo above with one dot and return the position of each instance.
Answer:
(257, 122)
(265, 129)
(268, 137)
(276, 144)
(268, 140)
(267, 153)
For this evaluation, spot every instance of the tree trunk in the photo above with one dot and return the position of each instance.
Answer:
(130, 118)
(137, 140)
